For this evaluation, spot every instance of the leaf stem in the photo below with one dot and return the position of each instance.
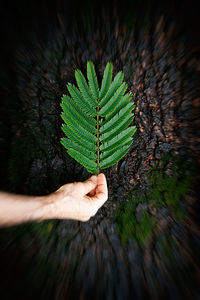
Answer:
(98, 149)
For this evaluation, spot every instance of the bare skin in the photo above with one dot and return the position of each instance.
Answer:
(76, 201)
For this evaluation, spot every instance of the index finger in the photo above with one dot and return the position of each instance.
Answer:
(101, 190)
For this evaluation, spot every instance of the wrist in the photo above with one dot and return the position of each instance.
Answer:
(59, 205)
(48, 207)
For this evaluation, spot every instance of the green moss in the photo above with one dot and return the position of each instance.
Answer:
(42, 228)
(144, 229)
(165, 191)
(127, 224)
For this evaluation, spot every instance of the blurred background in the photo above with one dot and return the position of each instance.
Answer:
(144, 242)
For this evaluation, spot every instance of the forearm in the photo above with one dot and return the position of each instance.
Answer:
(71, 201)
(15, 209)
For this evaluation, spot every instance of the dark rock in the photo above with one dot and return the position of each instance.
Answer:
(120, 192)
(163, 213)
(165, 147)
(123, 168)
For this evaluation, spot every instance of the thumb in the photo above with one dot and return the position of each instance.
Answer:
(90, 184)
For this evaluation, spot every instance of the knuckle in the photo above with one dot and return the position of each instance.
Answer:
(85, 219)
(89, 181)
(94, 213)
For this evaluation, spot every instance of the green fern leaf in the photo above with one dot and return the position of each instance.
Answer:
(69, 109)
(121, 126)
(115, 157)
(69, 144)
(92, 78)
(76, 138)
(69, 101)
(96, 122)
(83, 160)
(118, 140)
(107, 78)
(84, 89)
(113, 87)
(106, 154)
(78, 129)
(80, 100)
(117, 119)
(108, 108)
(121, 104)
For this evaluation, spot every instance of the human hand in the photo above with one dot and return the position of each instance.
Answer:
(79, 200)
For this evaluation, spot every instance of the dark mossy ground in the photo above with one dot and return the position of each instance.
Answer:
(144, 242)
(140, 215)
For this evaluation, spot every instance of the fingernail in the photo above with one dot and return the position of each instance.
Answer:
(102, 174)
(94, 178)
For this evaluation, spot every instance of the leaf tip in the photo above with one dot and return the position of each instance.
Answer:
(89, 62)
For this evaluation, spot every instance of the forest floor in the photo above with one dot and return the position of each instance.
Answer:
(144, 242)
